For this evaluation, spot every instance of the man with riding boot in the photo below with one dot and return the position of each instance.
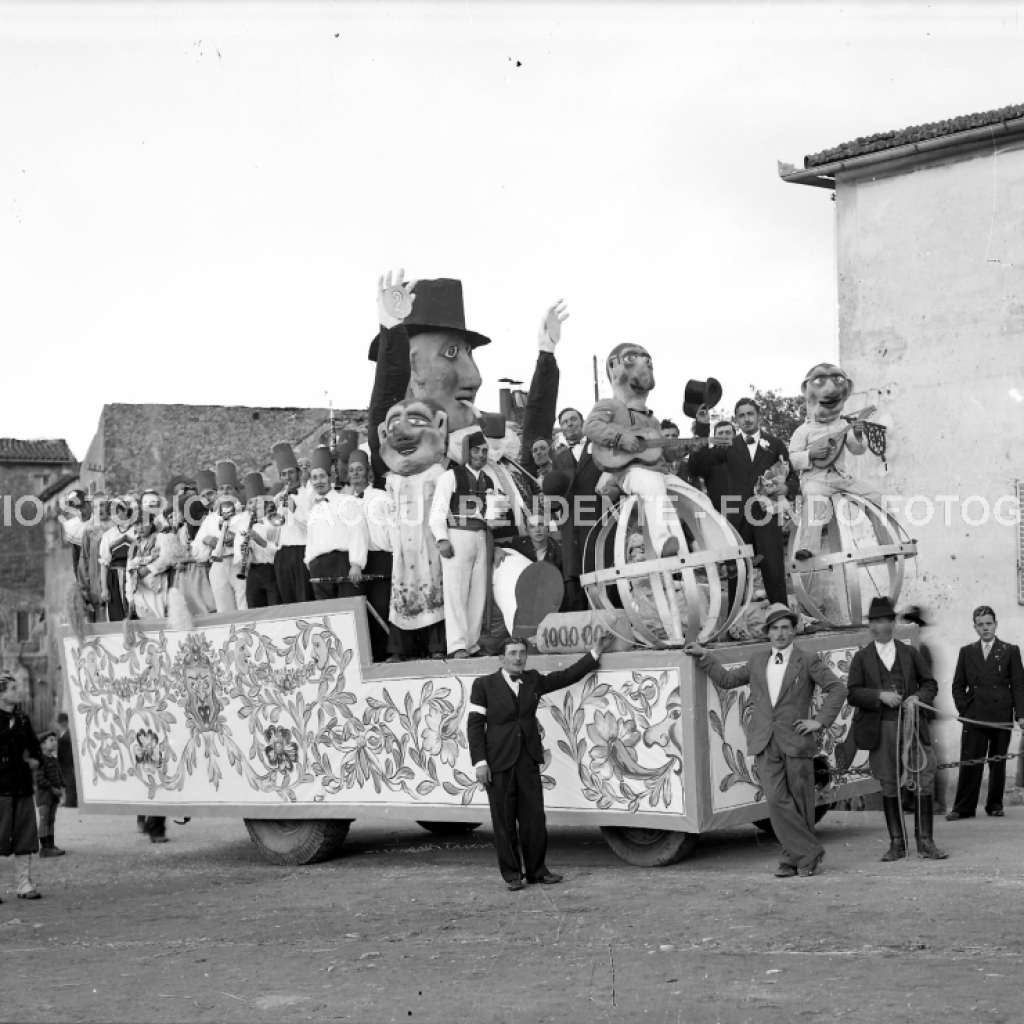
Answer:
(887, 679)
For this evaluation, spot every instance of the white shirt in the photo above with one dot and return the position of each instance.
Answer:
(578, 449)
(378, 510)
(258, 555)
(752, 448)
(212, 526)
(986, 648)
(776, 671)
(293, 530)
(109, 539)
(887, 652)
(74, 530)
(513, 684)
(336, 523)
(441, 508)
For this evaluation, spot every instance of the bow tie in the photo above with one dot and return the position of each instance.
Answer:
(750, 440)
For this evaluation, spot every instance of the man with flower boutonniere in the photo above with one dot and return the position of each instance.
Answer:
(782, 731)
(748, 505)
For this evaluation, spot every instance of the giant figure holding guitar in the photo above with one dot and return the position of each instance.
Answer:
(818, 451)
(629, 444)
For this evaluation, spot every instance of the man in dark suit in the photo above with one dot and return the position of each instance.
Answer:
(66, 760)
(713, 473)
(752, 453)
(574, 478)
(988, 686)
(538, 545)
(504, 743)
(781, 731)
(885, 677)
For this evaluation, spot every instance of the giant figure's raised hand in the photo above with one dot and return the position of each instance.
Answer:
(395, 298)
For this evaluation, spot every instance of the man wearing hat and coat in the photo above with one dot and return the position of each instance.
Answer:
(781, 731)
(290, 567)
(886, 677)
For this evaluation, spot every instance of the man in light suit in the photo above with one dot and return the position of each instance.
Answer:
(504, 742)
(988, 686)
(781, 731)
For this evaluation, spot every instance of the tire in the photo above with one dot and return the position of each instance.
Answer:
(765, 824)
(288, 841)
(649, 847)
(449, 828)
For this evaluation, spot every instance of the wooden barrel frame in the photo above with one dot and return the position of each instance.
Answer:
(895, 547)
(716, 543)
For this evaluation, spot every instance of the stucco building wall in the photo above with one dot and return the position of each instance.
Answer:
(931, 311)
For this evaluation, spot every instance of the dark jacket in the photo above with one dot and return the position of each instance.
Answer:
(541, 403)
(992, 689)
(17, 739)
(525, 547)
(714, 474)
(864, 684)
(803, 672)
(496, 733)
(584, 507)
(66, 755)
(49, 782)
(743, 474)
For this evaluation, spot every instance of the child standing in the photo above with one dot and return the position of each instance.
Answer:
(49, 790)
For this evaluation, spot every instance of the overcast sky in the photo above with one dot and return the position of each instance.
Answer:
(196, 199)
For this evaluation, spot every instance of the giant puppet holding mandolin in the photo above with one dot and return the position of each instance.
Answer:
(818, 451)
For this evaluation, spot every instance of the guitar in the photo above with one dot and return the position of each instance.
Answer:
(836, 440)
(610, 458)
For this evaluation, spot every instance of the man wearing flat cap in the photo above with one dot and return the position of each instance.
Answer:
(781, 731)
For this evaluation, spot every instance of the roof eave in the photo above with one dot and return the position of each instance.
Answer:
(824, 176)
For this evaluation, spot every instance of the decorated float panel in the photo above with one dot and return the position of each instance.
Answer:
(278, 714)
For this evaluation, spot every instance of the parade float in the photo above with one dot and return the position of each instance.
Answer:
(278, 717)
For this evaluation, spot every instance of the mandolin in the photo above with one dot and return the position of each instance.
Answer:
(610, 458)
(838, 437)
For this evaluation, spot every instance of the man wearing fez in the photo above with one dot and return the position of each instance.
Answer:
(217, 535)
(505, 745)
(781, 731)
(886, 678)
(260, 537)
(336, 539)
(290, 567)
(988, 686)
(376, 519)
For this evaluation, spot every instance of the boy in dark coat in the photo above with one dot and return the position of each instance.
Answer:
(49, 790)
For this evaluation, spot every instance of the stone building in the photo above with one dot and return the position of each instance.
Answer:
(29, 472)
(140, 446)
(930, 250)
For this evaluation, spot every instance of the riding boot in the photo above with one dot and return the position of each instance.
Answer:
(923, 830)
(23, 867)
(894, 822)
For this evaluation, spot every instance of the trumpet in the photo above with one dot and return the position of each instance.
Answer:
(225, 523)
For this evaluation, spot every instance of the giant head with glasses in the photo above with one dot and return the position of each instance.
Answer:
(631, 373)
(825, 389)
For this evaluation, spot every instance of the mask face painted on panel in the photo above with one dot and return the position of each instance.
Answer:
(413, 436)
(825, 389)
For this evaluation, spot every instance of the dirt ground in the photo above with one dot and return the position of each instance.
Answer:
(410, 926)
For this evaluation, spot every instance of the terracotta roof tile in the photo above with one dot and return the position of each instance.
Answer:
(14, 450)
(908, 136)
